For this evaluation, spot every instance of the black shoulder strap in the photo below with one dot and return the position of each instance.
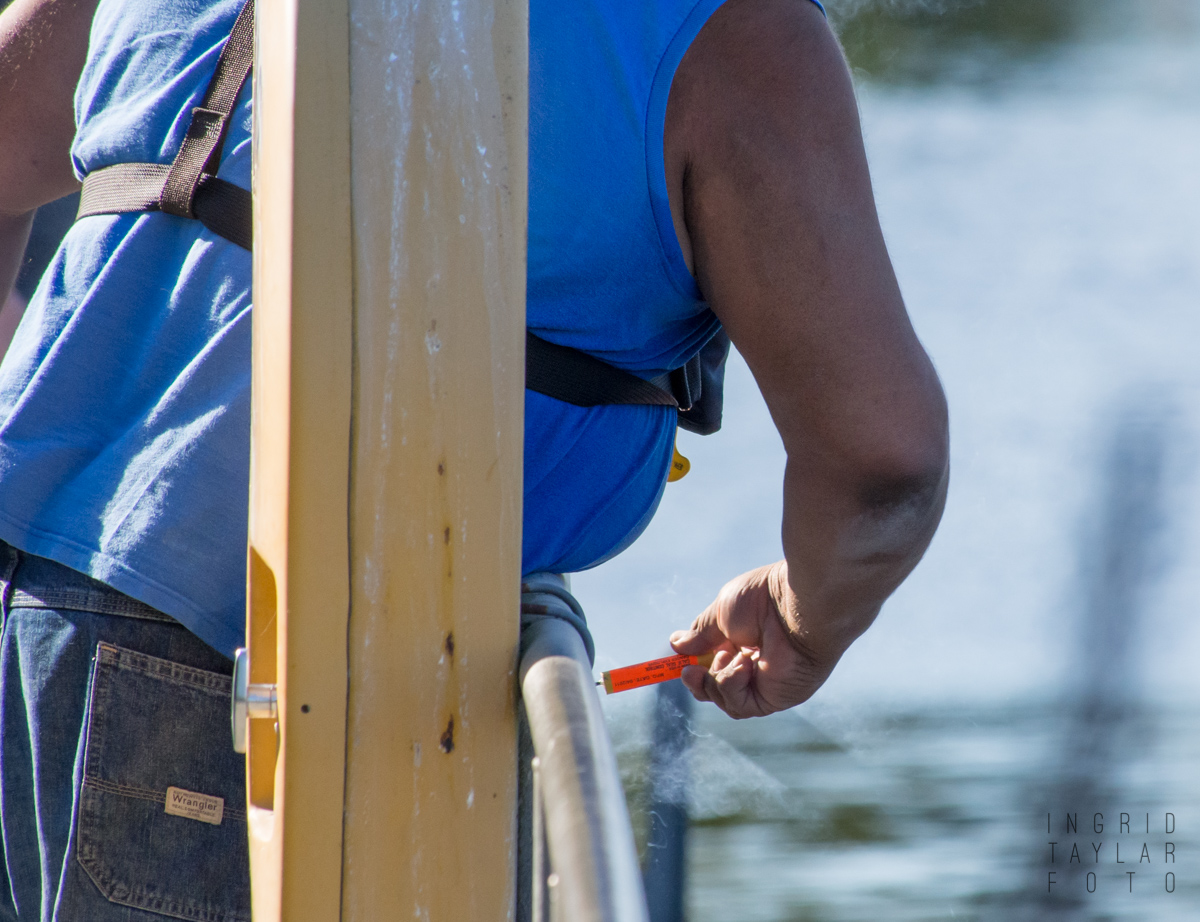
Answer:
(189, 187)
(201, 149)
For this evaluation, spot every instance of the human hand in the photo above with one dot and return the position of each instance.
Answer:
(765, 660)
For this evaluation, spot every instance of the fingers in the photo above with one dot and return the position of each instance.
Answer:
(735, 685)
(693, 681)
(694, 676)
(729, 684)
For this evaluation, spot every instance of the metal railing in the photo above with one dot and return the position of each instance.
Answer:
(580, 861)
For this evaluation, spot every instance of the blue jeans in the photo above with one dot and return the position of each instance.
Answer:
(121, 797)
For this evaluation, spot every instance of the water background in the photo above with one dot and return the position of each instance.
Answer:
(1035, 164)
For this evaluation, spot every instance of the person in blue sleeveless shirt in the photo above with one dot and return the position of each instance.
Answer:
(693, 164)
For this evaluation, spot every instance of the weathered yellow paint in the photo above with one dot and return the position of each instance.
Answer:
(439, 105)
(299, 538)
(262, 638)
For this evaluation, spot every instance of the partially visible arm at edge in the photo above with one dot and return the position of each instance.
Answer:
(780, 219)
(43, 46)
(14, 235)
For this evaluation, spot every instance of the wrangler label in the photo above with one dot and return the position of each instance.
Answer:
(195, 806)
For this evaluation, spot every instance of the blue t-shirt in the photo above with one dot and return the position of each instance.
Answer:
(124, 398)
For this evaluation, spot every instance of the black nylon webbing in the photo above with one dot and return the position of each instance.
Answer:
(201, 149)
(225, 209)
(188, 187)
(583, 380)
(122, 188)
(234, 65)
(222, 207)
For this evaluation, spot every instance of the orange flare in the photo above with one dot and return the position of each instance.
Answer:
(652, 672)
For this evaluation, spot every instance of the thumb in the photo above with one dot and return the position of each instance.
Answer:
(704, 635)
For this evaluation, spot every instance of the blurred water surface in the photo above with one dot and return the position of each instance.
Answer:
(1035, 168)
(931, 813)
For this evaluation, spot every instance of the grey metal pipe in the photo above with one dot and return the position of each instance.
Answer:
(541, 860)
(588, 832)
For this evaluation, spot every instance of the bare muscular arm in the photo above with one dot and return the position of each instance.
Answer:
(774, 210)
(43, 45)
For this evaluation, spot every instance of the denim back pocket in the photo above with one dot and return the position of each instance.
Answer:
(162, 810)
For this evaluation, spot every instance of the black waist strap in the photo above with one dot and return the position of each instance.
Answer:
(222, 207)
(576, 377)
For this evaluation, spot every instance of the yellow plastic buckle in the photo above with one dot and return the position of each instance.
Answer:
(679, 467)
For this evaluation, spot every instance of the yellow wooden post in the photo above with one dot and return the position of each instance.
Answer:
(387, 438)
(439, 100)
(299, 530)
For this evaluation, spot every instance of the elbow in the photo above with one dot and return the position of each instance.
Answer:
(895, 482)
(910, 497)
(899, 496)
(893, 516)
(912, 475)
(876, 467)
